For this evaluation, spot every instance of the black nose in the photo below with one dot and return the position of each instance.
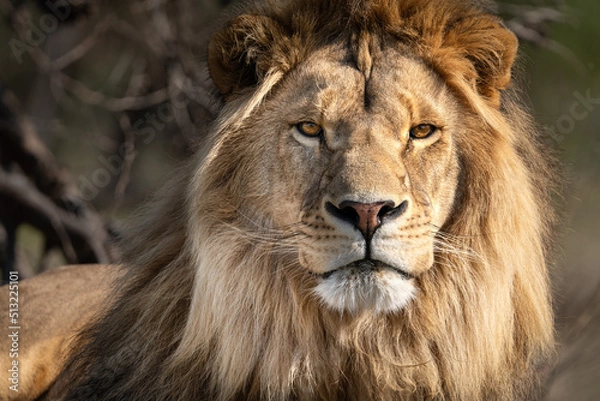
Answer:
(366, 217)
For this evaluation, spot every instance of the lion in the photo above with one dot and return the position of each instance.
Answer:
(369, 219)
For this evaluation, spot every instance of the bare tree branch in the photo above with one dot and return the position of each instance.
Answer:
(35, 190)
(74, 233)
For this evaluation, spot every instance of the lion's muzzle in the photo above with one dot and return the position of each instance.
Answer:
(364, 271)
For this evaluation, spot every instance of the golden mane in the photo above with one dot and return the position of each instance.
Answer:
(206, 310)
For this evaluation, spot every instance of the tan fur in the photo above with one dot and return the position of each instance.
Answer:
(222, 299)
(52, 307)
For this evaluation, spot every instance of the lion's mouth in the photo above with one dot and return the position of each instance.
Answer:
(366, 285)
(366, 267)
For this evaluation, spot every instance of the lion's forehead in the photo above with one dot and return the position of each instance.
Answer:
(399, 90)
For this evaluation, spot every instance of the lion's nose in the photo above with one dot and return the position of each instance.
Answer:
(366, 217)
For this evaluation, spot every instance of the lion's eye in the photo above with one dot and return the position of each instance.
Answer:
(422, 131)
(309, 129)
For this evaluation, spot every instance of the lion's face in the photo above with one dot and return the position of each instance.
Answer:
(363, 169)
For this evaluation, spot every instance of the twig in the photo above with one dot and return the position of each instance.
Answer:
(128, 159)
(34, 190)
(75, 87)
(84, 47)
(114, 104)
(534, 36)
(530, 24)
(58, 225)
(21, 145)
(180, 111)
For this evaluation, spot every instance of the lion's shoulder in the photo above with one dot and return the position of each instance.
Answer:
(50, 309)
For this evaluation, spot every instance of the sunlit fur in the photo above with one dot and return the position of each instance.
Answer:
(215, 305)
(350, 291)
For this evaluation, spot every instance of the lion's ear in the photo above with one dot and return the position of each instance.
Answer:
(244, 51)
(489, 47)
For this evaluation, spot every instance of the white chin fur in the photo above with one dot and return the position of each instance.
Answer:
(349, 291)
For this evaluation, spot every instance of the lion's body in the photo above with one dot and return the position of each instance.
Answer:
(368, 221)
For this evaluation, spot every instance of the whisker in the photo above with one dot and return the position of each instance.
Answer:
(262, 234)
(450, 244)
(274, 237)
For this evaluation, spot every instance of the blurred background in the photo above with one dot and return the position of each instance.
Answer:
(100, 100)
